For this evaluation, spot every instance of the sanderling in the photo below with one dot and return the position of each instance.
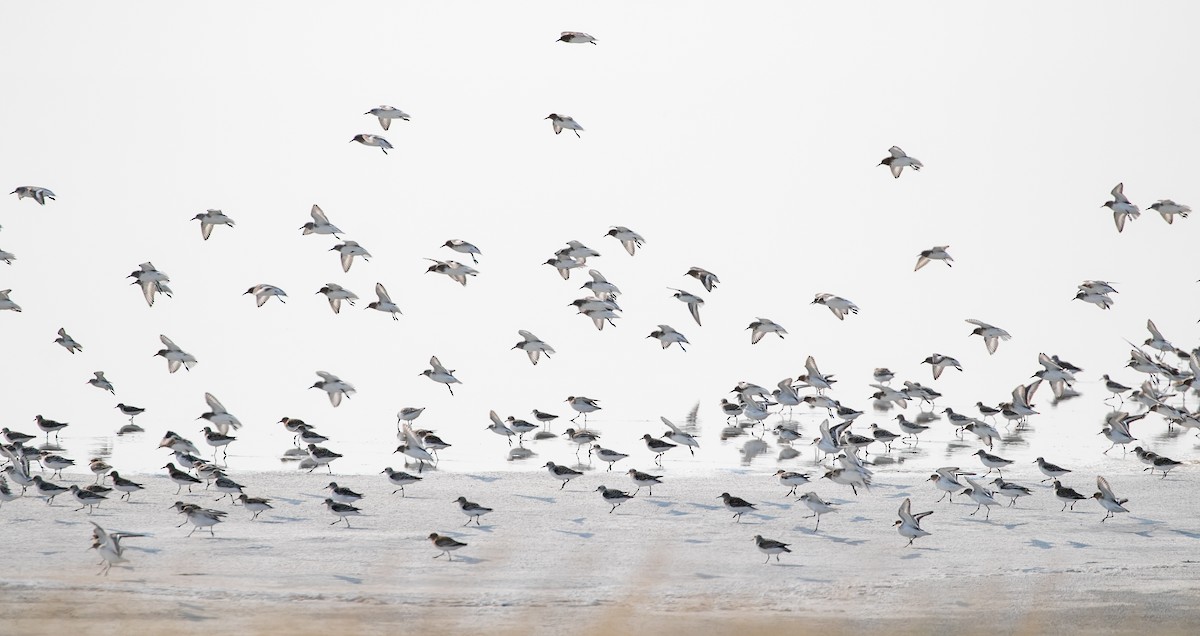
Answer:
(736, 505)
(838, 305)
(223, 484)
(606, 455)
(520, 427)
(130, 411)
(667, 335)
(946, 480)
(912, 429)
(219, 416)
(563, 122)
(305, 435)
(1066, 495)
(1116, 429)
(15, 437)
(49, 426)
(629, 239)
(440, 374)
(372, 140)
(151, 281)
(1155, 461)
(415, 448)
(679, 436)
(210, 219)
(342, 511)
(336, 294)
(600, 286)
(580, 438)
(993, 462)
(564, 473)
(385, 303)
(818, 506)
(1106, 498)
(1010, 490)
(657, 446)
(47, 490)
(1168, 209)
(897, 160)
(321, 457)
(320, 223)
(564, 265)
(37, 193)
(463, 247)
(108, 546)
(99, 468)
(791, 479)
(582, 405)
(6, 494)
(1121, 207)
(55, 463)
(386, 114)
(471, 509)
(575, 37)
(342, 494)
(497, 426)
(982, 497)
(180, 477)
(256, 505)
(7, 257)
(264, 292)
(175, 356)
(86, 498)
(613, 497)
(883, 436)
(102, 383)
(939, 363)
(6, 303)
(400, 479)
(533, 346)
(453, 270)
(347, 250)
(67, 341)
(936, 253)
(334, 386)
(706, 278)
(763, 326)
(127, 486)
(909, 524)
(445, 544)
(770, 546)
(644, 480)
(991, 334)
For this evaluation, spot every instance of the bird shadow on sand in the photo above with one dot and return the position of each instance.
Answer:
(829, 537)
(488, 528)
(581, 535)
(1077, 544)
(353, 580)
(191, 612)
(275, 519)
(548, 500)
(468, 560)
(1038, 543)
(661, 503)
(781, 506)
(485, 479)
(288, 500)
(1187, 533)
(704, 506)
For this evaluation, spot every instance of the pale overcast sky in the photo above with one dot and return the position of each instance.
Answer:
(739, 137)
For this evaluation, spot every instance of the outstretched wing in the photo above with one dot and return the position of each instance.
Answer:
(214, 404)
(671, 425)
(437, 365)
(529, 337)
(1105, 489)
(167, 341)
(382, 292)
(1149, 325)
(318, 215)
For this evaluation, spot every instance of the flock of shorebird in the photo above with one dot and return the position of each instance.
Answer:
(751, 406)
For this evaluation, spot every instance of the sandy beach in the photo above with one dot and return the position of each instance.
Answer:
(549, 560)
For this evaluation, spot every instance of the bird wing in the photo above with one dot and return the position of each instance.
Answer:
(810, 365)
(170, 345)
(980, 323)
(1118, 193)
(381, 291)
(318, 215)
(437, 365)
(148, 290)
(328, 377)
(385, 122)
(206, 230)
(1105, 489)
(496, 419)
(597, 276)
(347, 260)
(905, 512)
(1149, 325)
(896, 152)
(670, 424)
(173, 365)
(896, 169)
(1119, 219)
(529, 337)
(922, 261)
(991, 342)
(215, 404)
(757, 334)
